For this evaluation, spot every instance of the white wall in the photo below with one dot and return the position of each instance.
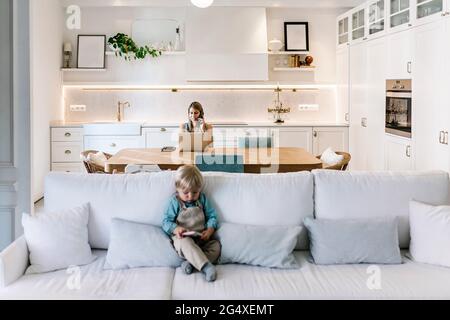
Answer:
(46, 61)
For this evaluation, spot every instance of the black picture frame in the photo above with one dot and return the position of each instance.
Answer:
(292, 45)
(91, 59)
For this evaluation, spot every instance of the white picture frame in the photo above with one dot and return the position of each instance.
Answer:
(91, 51)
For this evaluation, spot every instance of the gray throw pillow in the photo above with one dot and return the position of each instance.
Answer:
(258, 245)
(354, 241)
(134, 245)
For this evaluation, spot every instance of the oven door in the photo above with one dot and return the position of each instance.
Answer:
(398, 113)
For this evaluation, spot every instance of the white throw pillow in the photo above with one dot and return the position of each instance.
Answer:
(98, 158)
(330, 158)
(57, 240)
(430, 233)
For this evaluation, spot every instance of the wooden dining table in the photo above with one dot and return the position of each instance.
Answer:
(255, 160)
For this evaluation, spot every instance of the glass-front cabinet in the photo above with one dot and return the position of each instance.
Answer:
(376, 16)
(400, 13)
(358, 23)
(426, 8)
(343, 30)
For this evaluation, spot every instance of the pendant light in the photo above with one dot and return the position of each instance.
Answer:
(202, 3)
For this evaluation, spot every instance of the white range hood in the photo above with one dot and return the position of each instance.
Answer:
(226, 44)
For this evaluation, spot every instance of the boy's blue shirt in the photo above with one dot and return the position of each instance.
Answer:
(173, 209)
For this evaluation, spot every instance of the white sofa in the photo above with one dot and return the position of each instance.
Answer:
(280, 199)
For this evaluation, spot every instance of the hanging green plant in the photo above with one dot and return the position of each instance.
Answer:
(125, 47)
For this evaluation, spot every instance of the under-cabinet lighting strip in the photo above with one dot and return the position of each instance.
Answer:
(200, 87)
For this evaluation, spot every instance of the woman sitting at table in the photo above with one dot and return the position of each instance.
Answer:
(196, 120)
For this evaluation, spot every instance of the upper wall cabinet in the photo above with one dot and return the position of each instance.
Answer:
(358, 17)
(430, 10)
(343, 30)
(227, 44)
(376, 13)
(400, 14)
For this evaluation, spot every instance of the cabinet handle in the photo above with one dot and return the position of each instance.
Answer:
(408, 151)
(347, 117)
(408, 68)
(441, 137)
(67, 134)
(315, 134)
(67, 152)
(163, 129)
(446, 137)
(113, 145)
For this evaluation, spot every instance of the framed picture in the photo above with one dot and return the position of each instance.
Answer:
(296, 36)
(91, 51)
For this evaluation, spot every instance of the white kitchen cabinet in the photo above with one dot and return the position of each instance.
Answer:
(398, 153)
(400, 51)
(376, 11)
(358, 145)
(161, 137)
(430, 10)
(376, 104)
(112, 144)
(358, 23)
(335, 138)
(299, 137)
(401, 14)
(343, 27)
(343, 83)
(430, 110)
(66, 146)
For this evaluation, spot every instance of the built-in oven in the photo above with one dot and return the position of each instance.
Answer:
(399, 107)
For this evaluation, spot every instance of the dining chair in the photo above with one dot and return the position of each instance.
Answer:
(220, 163)
(342, 166)
(90, 166)
(255, 142)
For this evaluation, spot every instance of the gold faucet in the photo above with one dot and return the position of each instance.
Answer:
(119, 113)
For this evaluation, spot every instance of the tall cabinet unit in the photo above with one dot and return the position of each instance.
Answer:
(358, 106)
(430, 95)
(376, 103)
(343, 83)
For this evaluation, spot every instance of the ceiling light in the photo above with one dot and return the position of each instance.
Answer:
(202, 3)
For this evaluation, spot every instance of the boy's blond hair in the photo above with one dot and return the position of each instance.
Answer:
(188, 177)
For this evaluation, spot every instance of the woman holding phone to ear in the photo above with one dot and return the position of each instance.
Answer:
(196, 120)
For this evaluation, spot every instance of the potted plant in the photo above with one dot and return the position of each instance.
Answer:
(125, 47)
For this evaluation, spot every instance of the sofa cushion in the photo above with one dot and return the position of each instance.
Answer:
(353, 195)
(92, 282)
(57, 240)
(409, 280)
(430, 233)
(272, 199)
(135, 245)
(258, 245)
(354, 241)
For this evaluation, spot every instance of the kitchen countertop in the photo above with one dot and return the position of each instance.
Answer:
(73, 124)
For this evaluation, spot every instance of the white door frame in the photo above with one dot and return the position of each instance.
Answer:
(15, 164)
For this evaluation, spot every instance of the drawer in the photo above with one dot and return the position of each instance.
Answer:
(68, 167)
(161, 137)
(113, 144)
(67, 134)
(66, 151)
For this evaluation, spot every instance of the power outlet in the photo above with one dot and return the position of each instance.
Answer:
(308, 107)
(77, 107)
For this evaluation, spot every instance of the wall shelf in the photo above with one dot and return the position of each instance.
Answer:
(82, 70)
(282, 53)
(164, 53)
(292, 69)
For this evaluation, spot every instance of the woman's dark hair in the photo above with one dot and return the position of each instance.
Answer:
(197, 106)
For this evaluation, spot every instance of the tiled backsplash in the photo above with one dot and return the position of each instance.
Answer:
(165, 106)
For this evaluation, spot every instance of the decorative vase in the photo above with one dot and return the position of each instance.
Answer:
(309, 60)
